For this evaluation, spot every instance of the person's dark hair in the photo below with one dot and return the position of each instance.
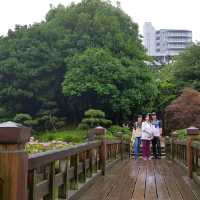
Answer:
(146, 116)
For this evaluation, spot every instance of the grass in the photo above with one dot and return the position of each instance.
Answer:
(73, 136)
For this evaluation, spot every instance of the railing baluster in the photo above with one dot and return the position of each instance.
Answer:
(74, 162)
(32, 183)
(91, 162)
(63, 191)
(52, 189)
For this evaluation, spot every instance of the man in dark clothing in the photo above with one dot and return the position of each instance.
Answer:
(157, 130)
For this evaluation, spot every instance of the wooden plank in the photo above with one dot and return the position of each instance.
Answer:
(64, 189)
(194, 187)
(101, 188)
(42, 189)
(170, 180)
(32, 184)
(119, 184)
(150, 193)
(52, 189)
(131, 175)
(143, 180)
(59, 179)
(139, 193)
(162, 191)
(183, 187)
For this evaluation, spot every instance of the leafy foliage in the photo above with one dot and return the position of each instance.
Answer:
(182, 134)
(184, 111)
(166, 87)
(115, 129)
(73, 136)
(37, 147)
(119, 86)
(93, 48)
(187, 68)
(93, 118)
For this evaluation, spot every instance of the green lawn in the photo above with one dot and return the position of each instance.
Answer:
(73, 136)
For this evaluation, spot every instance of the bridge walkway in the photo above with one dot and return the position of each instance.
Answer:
(144, 180)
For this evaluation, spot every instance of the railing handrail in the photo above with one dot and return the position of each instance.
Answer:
(56, 173)
(113, 141)
(196, 145)
(180, 142)
(39, 159)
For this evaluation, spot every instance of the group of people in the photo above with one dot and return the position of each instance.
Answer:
(147, 130)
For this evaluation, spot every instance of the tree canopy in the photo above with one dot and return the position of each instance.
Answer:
(120, 86)
(84, 55)
(187, 68)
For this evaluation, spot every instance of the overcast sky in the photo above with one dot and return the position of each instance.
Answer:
(183, 14)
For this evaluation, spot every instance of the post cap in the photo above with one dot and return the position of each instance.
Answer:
(14, 133)
(99, 130)
(192, 131)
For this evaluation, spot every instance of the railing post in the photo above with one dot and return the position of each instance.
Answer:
(13, 161)
(129, 146)
(192, 132)
(100, 134)
(174, 137)
(120, 135)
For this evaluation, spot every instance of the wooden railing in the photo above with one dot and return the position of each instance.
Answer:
(184, 152)
(196, 157)
(56, 174)
(59, 174)
(177, 150)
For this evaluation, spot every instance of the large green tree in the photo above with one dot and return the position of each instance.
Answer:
(120, 86)
(34, 60)
(187, 68)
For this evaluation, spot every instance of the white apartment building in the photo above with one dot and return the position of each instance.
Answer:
(164, 44)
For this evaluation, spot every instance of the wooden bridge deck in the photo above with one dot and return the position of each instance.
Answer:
(144, 180)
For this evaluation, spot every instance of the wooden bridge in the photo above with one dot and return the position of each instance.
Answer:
(97, 170)
(140, 180)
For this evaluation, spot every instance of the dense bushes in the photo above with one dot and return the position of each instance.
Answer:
(115, 130)
(184, 111)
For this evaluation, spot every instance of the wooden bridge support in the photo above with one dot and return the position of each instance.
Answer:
(101, 134)
(13, 162)
(192, 134)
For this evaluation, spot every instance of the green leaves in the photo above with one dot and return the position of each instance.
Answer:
(93, 118)
(85, 55)
(117, 85)
(187, 68)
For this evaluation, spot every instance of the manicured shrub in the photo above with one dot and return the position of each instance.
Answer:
(93, 118)
(21, 117)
